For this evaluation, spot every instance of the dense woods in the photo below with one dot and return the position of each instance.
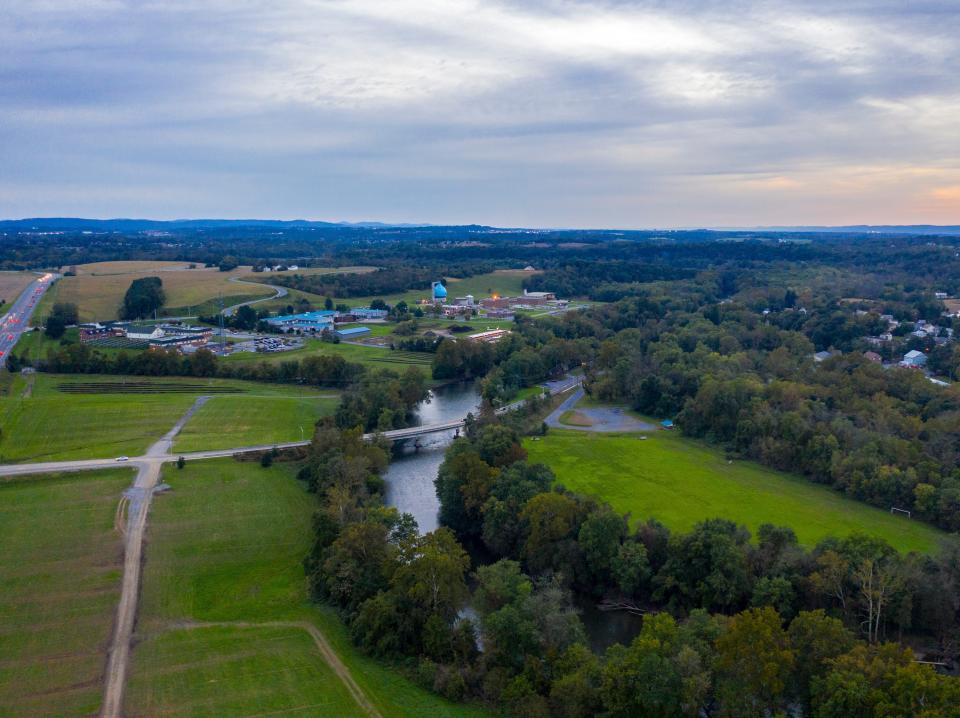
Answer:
(144, 297)
(732, 627)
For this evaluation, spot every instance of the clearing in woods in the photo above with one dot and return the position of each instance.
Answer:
(59, 585)
(224, 606)
(681, 481)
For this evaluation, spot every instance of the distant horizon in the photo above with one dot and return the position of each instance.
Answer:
(543, 113)
(372, 223)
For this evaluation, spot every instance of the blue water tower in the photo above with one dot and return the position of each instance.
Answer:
(439, 292)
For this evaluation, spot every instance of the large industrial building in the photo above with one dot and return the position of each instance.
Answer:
(306, 322)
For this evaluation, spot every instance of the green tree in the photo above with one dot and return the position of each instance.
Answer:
(708, 567)
(552, 521)
(754, 663)
(143, 298)
(631, 568)
(432, 574)
(599, 538)
(816, 638)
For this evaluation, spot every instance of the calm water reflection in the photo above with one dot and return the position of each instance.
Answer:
(410, 476)
(410, 488)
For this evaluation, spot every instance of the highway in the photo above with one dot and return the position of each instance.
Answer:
(16, 322)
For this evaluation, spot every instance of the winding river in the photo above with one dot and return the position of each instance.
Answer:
(410, 489)
(410, 475)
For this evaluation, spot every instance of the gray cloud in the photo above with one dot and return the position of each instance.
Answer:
(514, 113)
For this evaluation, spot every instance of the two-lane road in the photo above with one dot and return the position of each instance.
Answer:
(17, 320)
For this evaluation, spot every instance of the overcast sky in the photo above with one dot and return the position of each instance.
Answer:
(513, 113)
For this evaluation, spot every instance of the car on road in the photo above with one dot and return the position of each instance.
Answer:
(122, 458)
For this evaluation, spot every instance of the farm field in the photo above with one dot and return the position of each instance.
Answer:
(226, 545)
(680, 481)
(12, 285)
(46, 417)
(236, 671)
(59, 585)
(98, 288)
(228, 421)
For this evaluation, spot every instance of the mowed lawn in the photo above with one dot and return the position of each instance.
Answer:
(42, 422)
(226, 544)
(229, 421)
(236, 672)
(680, 481)
(60, 571)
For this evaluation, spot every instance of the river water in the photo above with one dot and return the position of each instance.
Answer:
(410, 489)
(410, 475)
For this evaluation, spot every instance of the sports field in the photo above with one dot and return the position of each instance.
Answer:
(47, 417)
(59, 585)
(225, 546)
(680, 481)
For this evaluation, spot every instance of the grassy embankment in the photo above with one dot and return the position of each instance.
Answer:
(226, 546)
(46, 417)
(60, 573)
(681, 481)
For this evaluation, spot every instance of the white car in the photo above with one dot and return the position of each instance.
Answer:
(122, 458)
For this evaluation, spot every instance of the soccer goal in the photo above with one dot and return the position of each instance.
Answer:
(895, 510)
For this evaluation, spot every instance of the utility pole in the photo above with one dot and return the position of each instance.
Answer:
(223, 338)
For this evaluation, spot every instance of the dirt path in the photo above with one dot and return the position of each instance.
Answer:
(138, 498)
(329, 655)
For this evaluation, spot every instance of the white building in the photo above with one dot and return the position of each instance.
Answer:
(144, 333)
(914, 359)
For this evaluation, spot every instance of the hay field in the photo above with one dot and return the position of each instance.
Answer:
(13, 283)
(98, 288)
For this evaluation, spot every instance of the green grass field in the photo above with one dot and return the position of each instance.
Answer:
(503, 283)
(227, 544)
(60, 573)
(680, 481)
(372, 356)
(42, 422)
(237, 672)
(228, 421)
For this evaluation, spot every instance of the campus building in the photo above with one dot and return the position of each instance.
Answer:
(490, 337)
(306, 322)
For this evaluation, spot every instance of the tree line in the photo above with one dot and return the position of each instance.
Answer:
(731, 628)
